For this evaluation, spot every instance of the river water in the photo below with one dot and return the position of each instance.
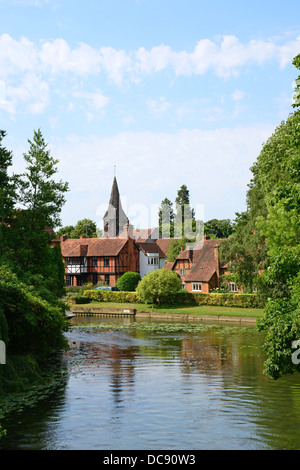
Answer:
(135, 385)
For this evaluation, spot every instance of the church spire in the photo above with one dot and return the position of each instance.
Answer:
(115, 217)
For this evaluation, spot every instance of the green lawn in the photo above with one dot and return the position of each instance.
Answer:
(198, 310)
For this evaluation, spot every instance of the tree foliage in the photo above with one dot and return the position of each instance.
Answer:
(267, 236)
(83, 228)
(166, 219)
(158, 287)
(128, 281)
(31, 271)
(39, 192)
(181, 222)
(33, 316)
(185, 215)
(30, 231)
(215, 228)
(175, 248)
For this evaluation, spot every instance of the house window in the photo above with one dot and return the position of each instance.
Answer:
(106, 261)
(196, 286)
(182, 272)
(72, 261)
(94, 261)
(152, 260)
(232, 287)
(106, 278)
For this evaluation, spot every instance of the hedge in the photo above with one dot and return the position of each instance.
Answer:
(182, 298)
(111, 296)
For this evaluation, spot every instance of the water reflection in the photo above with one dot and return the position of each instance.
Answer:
(138, 385)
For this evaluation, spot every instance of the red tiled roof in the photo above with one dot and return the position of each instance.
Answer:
(141, 234)
(203, 259)
(163, 244)
(151, 247)
(169, 265)
(92, 247)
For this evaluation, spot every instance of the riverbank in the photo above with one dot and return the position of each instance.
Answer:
(182, 313)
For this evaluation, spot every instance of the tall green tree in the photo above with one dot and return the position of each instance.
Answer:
(281, 228)
(31, 270)
(39, 192)
(7, 194)
(267, 235)
(184, 220)
(41, 197)
(166, 218)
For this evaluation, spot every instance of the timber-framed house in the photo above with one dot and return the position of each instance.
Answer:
(98, 259)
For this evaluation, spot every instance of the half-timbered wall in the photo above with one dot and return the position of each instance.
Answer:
(108, 269)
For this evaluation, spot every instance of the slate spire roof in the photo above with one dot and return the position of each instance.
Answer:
(115, 218)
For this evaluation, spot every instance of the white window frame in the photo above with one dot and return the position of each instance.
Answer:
(232, 287)
(182, 272)
(197, 286)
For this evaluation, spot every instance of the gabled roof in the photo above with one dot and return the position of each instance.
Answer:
(169, 265)
(151, 247)
(164, 244)
(92, 247)
(202, 258)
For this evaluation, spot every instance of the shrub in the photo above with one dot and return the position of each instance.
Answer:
(160, 286)
(111, 296)
(81, 299)
(129, 281)
(34, 325)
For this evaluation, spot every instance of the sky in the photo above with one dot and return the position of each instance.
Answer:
(159, 92)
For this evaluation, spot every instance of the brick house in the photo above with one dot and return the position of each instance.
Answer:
(98, 259)
(199, 267)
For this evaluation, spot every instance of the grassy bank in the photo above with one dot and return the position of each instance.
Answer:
(193, 310)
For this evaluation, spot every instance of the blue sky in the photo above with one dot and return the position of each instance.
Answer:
(171, 92)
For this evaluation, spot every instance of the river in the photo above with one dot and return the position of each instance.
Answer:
(136, 385)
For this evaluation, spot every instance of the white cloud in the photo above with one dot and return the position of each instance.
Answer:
(224, 57)
(54, 63)
(115, 63)
(17, 56)
(58, 57)
(32, 95)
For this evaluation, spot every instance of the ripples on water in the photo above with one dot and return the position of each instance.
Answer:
(162, 386)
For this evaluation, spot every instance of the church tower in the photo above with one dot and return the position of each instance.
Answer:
(115, 218)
